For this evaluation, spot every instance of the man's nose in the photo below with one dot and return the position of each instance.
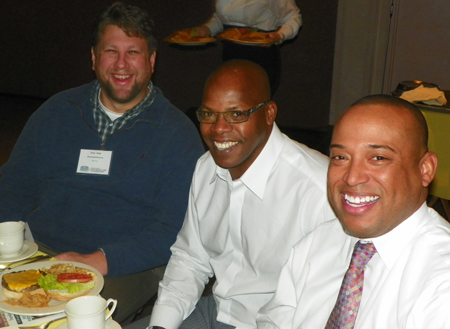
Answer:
(221, 125)
(121, 61)
(356, 173)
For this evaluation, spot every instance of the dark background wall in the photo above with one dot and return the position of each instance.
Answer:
(45, 49)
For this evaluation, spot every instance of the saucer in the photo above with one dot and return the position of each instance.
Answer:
(29, 249)
(110, 324)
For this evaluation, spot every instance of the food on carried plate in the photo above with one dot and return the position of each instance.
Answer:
(64, 282)
(245, 34)
(186, 36)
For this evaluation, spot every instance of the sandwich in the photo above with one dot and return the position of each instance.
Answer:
(15, 284)
(64, 282)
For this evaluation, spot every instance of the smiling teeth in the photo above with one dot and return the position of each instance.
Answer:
(358, 200)
(224, 146)
(121, 76)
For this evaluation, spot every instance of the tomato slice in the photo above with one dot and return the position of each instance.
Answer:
(74, 278)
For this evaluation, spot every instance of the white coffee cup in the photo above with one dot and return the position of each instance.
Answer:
(88, 312)
(11, 238)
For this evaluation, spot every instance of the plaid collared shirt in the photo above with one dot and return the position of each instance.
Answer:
(105, 126)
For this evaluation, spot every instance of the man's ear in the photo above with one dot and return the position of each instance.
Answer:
(93, 58)
(428, 166)
(271, 113)
(152, 60)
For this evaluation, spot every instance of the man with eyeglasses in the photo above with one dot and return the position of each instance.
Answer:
(253, 196)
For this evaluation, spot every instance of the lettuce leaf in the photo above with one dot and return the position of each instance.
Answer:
(49, 283)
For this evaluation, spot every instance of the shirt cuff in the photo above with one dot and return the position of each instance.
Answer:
(101, 249)
(283, 37)
(166, 317)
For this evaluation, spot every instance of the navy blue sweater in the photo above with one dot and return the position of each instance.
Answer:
(134, 213)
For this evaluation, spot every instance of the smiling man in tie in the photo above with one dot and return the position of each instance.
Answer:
(386, 262)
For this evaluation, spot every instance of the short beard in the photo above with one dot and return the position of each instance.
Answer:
(112, 94)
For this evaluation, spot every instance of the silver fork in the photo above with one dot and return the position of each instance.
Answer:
(41, 326)
(24, 261)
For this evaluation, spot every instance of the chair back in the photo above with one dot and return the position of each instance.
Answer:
(438, 121)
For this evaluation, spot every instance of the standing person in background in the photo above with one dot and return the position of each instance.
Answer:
(281, 19)
(122, 214)
(253, 196)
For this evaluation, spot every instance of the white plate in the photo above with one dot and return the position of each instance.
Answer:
(233, 37)
(110, 324)
(29, 248)
(54, 305)
(190, 43)
(248, 43)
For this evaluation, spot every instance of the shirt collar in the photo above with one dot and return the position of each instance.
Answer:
(149, 98)
(257, 175)
(390, 245)
(105, 126)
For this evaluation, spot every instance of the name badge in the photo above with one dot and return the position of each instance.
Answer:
(94, 162)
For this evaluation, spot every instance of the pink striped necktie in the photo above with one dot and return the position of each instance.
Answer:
(346, 309)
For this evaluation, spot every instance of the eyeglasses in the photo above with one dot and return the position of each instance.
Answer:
(229, 116)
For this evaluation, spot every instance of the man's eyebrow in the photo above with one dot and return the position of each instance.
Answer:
(371, 146)
(232, 108)
(385, 147)
(337, 146)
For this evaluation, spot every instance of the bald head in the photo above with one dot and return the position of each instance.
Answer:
(379, 165)
(242, 75)
(419, 128)
(237, 89)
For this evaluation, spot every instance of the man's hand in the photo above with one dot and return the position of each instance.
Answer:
(275, 38)
(201, 31)
(97, 260)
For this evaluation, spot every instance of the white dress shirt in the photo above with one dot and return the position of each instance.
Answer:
(406, 283)
(266, 15)
(242, 231)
